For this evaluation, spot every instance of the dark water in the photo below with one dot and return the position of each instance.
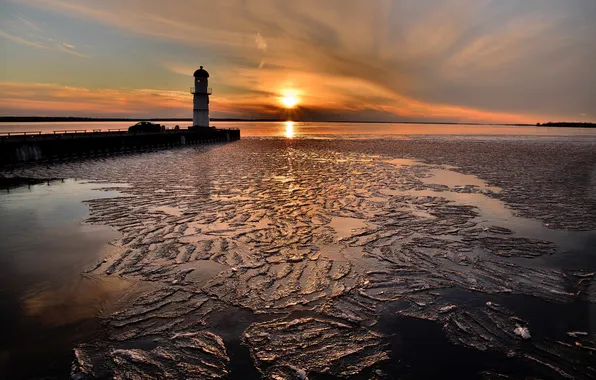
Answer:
(46, 306)
(359, 259)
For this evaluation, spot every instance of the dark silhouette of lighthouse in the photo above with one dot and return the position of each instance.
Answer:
(200, 101)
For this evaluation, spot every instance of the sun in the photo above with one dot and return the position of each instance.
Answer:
(289, 101)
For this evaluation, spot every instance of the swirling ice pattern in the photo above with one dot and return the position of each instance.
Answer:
(290, 227)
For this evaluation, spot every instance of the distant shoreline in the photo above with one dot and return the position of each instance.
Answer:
(33, 119)
(567, 125)
(62, 119)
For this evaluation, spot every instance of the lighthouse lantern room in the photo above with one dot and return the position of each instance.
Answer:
(201, 92)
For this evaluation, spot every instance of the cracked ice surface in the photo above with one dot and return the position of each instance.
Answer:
(279, 227)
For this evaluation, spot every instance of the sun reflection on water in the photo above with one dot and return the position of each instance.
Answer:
(289, 133)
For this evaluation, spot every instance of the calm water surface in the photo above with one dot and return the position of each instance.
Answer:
(293, 251)
(45, 304)
(291, 129)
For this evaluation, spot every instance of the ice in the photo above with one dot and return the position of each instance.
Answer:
(491, 328)
(199, 354)
(447, 309)
(301, 374)
(337, 233)
(81, 368)
(522, 332)
(315, 345)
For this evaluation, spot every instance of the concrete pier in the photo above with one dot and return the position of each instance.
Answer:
(15, 149)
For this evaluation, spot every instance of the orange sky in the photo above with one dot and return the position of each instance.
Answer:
(452, 60)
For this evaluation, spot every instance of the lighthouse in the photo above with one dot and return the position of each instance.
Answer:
(200, 101)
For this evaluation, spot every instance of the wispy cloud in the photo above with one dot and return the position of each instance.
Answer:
(36, 36)
(22, 41)
(458, 59)
(65, 48)
(261, 43)
(54, 99)
(32, 25)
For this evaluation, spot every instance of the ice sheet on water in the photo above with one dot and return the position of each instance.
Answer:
(199, 355)
(194, 355)
(283, 284)
(268, 226)
(315, 345)
(163, 311)
(524, 332)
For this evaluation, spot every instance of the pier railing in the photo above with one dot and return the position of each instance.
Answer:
(18, 133)
(65, 131)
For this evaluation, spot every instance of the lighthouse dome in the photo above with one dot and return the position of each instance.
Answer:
(201, 73)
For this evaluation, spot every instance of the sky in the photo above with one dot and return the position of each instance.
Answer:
(498, 61)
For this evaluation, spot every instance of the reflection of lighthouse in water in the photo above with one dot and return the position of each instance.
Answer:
(200, 102)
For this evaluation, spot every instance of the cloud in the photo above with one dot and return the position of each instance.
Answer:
(47, 99)
(53, 100)
(488, 60)
(260, 42)
(67, 48)
(30, 24)
(38, 38)
(21, 40)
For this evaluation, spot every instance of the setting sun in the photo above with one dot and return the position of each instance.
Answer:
(289, 101)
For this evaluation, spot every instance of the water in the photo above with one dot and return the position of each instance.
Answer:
(339, 257)
(46, 305)
(338, 130)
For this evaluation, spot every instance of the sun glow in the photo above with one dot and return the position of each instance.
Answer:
(289, 101)
(289, 98)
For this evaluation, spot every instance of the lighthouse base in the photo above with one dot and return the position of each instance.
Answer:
(200, 118)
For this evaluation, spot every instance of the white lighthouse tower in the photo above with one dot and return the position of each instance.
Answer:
(200, 101)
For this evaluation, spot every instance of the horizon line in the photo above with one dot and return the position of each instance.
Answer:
(6, 119)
